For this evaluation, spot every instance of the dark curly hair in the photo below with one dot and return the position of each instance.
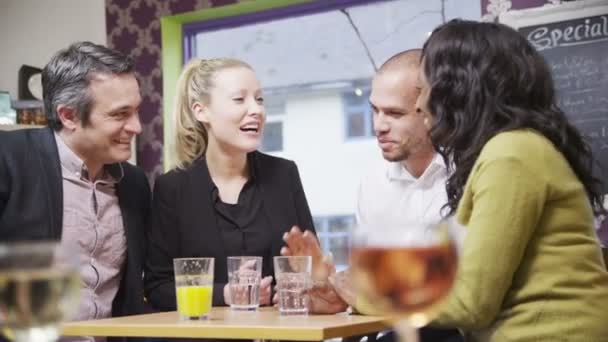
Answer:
(485, 78)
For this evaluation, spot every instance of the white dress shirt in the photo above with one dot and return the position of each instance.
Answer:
(391, 196)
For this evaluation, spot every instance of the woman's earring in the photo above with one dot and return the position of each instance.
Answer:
(426, 121)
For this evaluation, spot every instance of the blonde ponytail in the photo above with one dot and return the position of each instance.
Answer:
(191, 135)
(195, 84)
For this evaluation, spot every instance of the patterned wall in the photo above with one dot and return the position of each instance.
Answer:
(134, 28)
(491, 9)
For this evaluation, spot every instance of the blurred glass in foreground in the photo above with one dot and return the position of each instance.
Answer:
(403, 271)
(39, 289)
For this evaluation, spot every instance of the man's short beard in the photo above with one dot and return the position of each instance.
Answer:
(403, 155)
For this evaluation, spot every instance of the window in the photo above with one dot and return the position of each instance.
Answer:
(314, 60)
(272, 141)
(275, 106)
(357, 114)
(333, 233)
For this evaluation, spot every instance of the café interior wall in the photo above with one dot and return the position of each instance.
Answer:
(133, 27)
(31, 31)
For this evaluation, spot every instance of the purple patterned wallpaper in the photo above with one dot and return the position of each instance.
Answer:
(133, 27)
(492, 8)
(515, 4)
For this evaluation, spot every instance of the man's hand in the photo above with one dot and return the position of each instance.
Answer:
(343, 285)
(306, 243)
(323, 299)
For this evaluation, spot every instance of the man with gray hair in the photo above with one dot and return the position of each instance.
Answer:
(71, 181)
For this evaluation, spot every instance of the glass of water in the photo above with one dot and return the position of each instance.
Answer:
(193, 287)
(244, 276)
(39, 289)
(293, 276)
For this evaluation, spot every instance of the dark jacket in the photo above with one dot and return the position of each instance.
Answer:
(183, 222)
(31, 204)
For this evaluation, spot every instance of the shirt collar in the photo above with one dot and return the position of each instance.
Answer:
(251, 159)
(75, 166)
(396, 171)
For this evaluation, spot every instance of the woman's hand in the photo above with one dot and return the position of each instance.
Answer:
(265, 290)
(227, 298)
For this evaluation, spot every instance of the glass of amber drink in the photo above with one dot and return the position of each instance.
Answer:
(404, 271)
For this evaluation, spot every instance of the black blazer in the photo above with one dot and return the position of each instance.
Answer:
(31, 204)
(183, 221)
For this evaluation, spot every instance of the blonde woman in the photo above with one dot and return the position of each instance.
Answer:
(224, 197)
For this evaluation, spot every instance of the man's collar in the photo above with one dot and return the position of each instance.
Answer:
(396, 170)
(112, 173)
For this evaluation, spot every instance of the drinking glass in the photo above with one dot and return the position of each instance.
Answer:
(404, 271)
(293, 275)
(193, 287)
(244, 277)
(39, 289)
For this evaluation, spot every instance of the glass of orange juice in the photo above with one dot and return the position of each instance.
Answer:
(193, 287)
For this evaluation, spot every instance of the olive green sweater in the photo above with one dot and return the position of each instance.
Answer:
(531, 267)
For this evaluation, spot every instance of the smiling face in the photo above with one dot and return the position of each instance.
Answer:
(401, 132)
(234, 115)
(113, 121)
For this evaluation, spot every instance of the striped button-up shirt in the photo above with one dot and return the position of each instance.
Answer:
(93, 227)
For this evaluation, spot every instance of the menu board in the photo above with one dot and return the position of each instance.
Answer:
(573, 38)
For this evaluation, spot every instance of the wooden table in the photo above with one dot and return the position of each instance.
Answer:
(266, 323)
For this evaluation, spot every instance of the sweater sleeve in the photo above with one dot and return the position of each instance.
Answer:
(500, 209)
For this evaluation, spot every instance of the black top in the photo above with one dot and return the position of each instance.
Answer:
(184, 221)
(31, 204)
(244, 226)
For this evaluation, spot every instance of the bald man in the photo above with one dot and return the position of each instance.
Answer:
(408, 188)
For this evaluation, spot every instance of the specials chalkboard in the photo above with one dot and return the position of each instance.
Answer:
(573, 38)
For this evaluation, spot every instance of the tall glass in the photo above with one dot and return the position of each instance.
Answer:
(193, 287)
(39, 289)
(293, 275)
(404, 271)
(244, 277)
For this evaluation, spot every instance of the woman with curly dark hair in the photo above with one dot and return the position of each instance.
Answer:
(531, 267)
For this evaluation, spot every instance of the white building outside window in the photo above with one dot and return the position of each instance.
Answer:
(272, 140)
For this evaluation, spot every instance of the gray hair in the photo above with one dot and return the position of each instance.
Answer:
(66, 78)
